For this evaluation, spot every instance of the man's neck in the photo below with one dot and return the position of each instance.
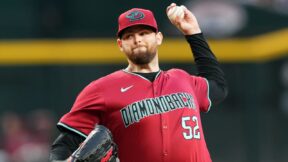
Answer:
(139, 69)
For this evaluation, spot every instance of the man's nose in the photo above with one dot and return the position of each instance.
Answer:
(137, 38)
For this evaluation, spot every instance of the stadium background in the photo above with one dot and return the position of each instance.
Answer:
(51, 49)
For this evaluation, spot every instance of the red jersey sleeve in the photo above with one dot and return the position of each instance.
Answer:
(85, 112)
(201, 87)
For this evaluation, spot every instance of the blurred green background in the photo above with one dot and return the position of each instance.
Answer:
(51, 49)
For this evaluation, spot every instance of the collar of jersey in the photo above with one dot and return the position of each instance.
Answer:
(142, 76)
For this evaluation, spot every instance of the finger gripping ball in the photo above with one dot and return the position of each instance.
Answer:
(174, 12)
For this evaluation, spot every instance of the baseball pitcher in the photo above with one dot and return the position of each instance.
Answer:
(153, 115)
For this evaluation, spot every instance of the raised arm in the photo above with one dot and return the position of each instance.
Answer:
(206, 62)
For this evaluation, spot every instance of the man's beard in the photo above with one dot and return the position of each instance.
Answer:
(142, 58)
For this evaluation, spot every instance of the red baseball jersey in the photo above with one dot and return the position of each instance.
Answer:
(155, 121)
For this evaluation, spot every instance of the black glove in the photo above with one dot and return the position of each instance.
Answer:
(97, 147)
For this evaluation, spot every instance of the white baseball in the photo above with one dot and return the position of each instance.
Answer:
(174, 12)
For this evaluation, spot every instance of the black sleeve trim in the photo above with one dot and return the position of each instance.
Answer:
(208, 67)
(217, 92)
(64, 127)
(65, 145)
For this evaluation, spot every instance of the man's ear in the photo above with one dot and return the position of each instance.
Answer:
(119, 42)
(159, 38)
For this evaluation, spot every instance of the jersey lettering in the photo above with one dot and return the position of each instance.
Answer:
(151, 106)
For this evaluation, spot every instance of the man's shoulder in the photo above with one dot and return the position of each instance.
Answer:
(181, 74)
(177, 71)
(99, 85)
(112, 77)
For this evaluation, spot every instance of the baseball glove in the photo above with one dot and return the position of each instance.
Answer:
(97, 147)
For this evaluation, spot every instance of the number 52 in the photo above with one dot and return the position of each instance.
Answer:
(193, 132)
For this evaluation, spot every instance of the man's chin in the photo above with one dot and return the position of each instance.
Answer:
(142, 60)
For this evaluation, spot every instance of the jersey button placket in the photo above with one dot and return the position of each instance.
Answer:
(155, 90)
(165, 136)
(157, 86)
